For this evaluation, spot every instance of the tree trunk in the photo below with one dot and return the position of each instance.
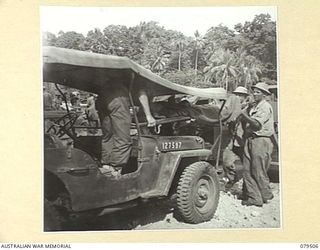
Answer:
(179, 60)
(227, 83)
(196, 63)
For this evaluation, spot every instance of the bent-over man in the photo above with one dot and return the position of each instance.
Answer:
(233, 153)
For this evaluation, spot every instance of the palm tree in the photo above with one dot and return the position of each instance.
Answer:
(160, 61)
(158, 64)
(249, 69)
(149, 30)
(199, 43)
(179, 44)
(96, 41)
(221, 67)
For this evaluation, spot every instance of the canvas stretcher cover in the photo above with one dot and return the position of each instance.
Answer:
(91, 71)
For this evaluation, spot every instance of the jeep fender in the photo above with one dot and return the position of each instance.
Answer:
(64, 169)
(170, 163)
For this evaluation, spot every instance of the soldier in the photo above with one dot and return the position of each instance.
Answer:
(57, 102)
(92, 114)
(91, 111)
(47, 99)
(113, 108)
(75, 101)
(258, 148)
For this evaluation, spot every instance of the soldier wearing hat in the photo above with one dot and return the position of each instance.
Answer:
(242, 92)
(258, 148)
(47, 99)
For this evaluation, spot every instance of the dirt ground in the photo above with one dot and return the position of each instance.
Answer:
(158, 215)
(230, 214)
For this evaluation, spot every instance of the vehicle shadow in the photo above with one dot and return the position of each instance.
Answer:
(128, 219)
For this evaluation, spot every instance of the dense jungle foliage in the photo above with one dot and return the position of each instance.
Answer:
(220, 57)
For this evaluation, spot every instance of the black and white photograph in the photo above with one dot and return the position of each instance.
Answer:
(160, 118)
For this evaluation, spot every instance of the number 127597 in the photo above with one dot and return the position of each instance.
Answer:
(172, 145)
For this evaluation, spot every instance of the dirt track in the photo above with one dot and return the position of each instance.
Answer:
(159, 215)
(230, 214)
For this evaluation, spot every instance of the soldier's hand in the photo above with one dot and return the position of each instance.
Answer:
(250, 101)
(244, 112)
(244, 105)
(151, 121)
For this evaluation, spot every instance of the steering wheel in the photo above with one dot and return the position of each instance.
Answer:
(64, 126)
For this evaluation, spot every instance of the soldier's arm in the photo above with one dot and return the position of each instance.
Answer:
(144, 100)
(255, 125)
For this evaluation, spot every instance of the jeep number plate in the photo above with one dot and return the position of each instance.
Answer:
(167, 145)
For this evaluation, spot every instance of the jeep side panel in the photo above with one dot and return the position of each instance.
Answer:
(169, 164)
(89, 189)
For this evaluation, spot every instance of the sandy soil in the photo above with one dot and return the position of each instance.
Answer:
(230, 214)
(158, 215)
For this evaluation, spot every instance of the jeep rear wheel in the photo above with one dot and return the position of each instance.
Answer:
(197, 193)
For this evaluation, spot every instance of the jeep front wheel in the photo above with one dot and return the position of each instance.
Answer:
(197, 193)
(53, 220)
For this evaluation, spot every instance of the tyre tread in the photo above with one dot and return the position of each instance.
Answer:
(184, 189)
